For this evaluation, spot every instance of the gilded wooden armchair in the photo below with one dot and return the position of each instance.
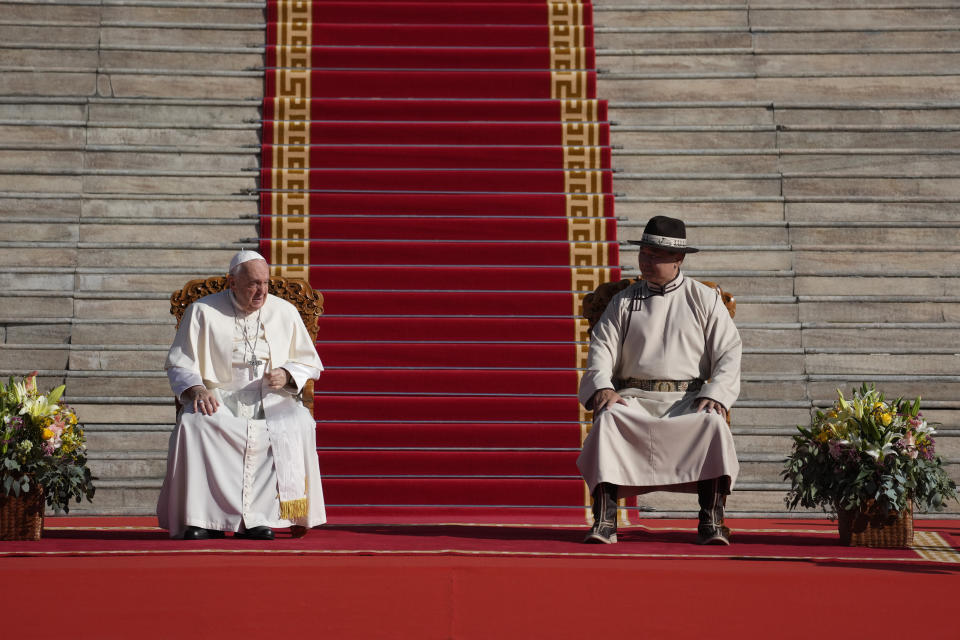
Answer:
(294, 290)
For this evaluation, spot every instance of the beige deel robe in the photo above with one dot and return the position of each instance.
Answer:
(658, 441)
(234, 469)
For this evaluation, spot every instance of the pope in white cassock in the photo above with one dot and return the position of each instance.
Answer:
(243, 456)
(662, 371)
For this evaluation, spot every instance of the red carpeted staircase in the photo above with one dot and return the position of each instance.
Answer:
(441, 172)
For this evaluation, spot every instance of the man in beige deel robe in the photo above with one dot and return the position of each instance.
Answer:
(243, 456)
(662, 371)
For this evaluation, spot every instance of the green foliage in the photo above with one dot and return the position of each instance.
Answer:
(42, 442)
(867, 452)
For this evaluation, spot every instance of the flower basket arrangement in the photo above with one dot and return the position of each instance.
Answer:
(868, 460)
(43, 453)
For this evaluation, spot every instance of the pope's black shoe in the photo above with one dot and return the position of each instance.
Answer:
(255, 533)
(199, 533)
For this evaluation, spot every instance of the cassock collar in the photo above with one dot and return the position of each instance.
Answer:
(658, 290)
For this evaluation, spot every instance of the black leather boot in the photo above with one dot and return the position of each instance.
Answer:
(604, 529)
(712, 495)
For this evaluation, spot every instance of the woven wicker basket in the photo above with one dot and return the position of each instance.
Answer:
(870, 528)
(21, 517)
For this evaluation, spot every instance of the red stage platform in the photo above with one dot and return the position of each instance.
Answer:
(122, 578)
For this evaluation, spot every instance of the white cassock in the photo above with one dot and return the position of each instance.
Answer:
(657, 440)
(253, 462)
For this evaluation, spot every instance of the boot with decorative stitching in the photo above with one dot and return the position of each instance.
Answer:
(712, 496)
(604, 529)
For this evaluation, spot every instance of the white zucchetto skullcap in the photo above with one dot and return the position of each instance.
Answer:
(242, 256)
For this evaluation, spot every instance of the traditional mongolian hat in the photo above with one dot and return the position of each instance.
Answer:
(665, 233)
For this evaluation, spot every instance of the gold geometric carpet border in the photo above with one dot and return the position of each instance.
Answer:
(290, 200)
(586, 228)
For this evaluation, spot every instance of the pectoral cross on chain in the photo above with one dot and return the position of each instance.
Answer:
(255, 363)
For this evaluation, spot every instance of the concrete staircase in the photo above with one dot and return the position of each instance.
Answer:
(811, 149)
(128, 149)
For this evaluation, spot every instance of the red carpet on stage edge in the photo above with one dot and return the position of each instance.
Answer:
(937, 542)
(441, 172)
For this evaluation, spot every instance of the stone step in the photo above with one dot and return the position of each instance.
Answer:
(17, 159)
(880, 336)
(882, 262)
(881, 40)
(196, 136)
(643, 185)
(99, 111)
(231, 159)
(47, 83)
(175, 112)
(133, 83)
(130, 182)
(13, 109)
(858, 162)
(867, 163)
(185, 35)
(20, 12)
(814, 89)
(869, 136)
(126, 438)
(929, 286)
(869, 186)
(691, 114)
(91, 58)
(609, 36)
(135, 12)
(704, 63)
(893, 210)
(662, 17)
(691, 161)
(28, 33)
(793, 140)
(867, 113)
(667, 137)
(73, 206)
(858, 18)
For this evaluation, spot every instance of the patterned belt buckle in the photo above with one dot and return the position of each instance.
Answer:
(664, 386)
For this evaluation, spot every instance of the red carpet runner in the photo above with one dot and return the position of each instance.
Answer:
(441, 172)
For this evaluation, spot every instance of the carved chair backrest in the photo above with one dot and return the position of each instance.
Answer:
(294, 290)
(595, 303)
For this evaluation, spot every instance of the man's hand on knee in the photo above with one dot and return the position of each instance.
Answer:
(278, 378)
(712, 406)
(204, 401)
(605, 399)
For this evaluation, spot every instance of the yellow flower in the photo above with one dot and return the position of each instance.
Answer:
(47, 434)
(886, 419)
(823, 436)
